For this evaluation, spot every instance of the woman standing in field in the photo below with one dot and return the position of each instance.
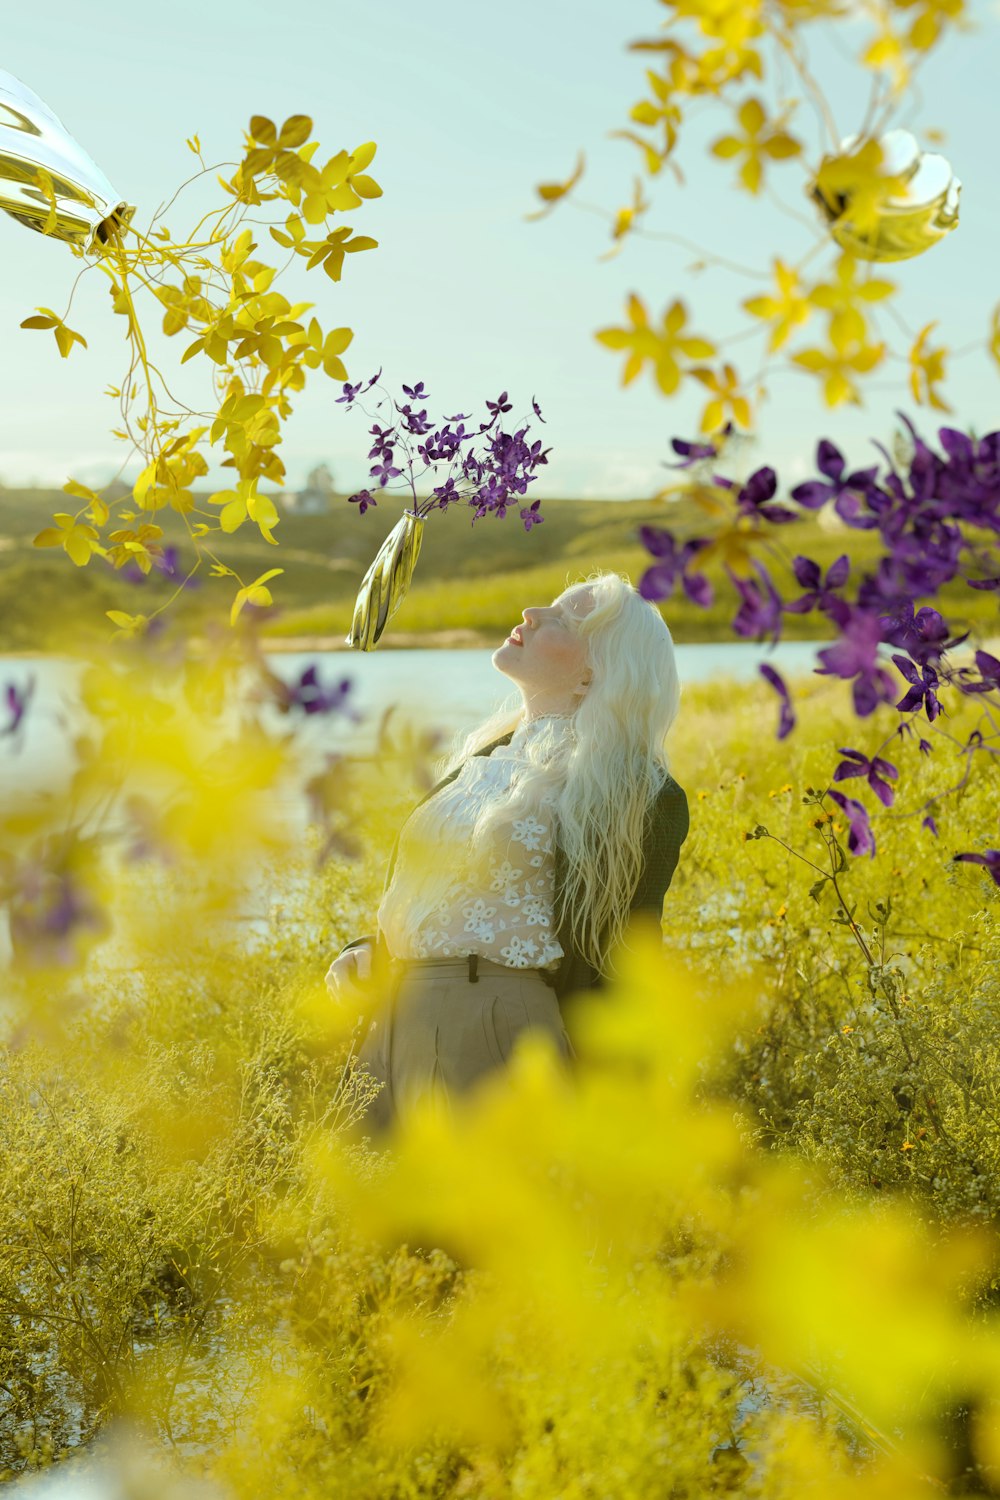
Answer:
(514, 879)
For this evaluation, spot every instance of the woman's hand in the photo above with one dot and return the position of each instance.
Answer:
(349, 971)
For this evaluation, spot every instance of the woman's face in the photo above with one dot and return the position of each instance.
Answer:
(551, 656)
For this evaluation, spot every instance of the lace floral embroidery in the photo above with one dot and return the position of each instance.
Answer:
(443, 904)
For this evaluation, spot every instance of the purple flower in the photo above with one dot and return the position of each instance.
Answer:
(820, 593)
(924, 634)
(658, 582)
(308, 694)
(752, 499)
(363, 499)
(416, 422)
(760, 612)
(498, 407)
(16, 700)
(384, 471)
(855, 655)
(786, 720)
(530, 517)
(447, 493)
(860, 839)
(923, 692)
(382, 446)
(50, 910)
(692, 453)
(989, 859)
(416, 392)
(537, 409)
(350, 393)
(843, 491)
(874, 770)
(989, 670)
(929, 822)
(167, 562)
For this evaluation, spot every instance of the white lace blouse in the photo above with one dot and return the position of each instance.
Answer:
(448, 898)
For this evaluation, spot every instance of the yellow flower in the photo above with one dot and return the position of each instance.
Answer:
(660, 110)
(79, 540)
(786, 310)
(926, 369)
(660, 347)
(726, 392)
(759, 140)
(927, 27)
(842, 299)
(837, 364)
(626, 217)
(732, 21)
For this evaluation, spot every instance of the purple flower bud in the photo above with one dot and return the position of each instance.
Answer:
(786, 719)
(860, 839)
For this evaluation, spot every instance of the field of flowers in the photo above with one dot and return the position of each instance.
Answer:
(745, 1248)
(747, 1243)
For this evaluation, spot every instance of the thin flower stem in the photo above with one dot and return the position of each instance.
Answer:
(676, 239)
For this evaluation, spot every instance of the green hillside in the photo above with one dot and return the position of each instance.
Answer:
(473, 577)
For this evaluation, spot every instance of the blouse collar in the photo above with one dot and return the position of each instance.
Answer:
(556, 723)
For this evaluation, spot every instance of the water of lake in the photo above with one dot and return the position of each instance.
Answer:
(448, 689)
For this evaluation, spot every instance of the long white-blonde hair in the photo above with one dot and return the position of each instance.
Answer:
(603, 777)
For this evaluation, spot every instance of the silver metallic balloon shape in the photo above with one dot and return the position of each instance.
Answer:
(907, 223)
(47, 181)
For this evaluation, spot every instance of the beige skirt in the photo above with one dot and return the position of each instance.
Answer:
(439, 1031)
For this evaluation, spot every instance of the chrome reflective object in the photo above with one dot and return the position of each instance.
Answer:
(47, 181)
(385, 584)
(907, 222)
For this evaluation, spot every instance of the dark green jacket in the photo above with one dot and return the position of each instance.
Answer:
(666, 829)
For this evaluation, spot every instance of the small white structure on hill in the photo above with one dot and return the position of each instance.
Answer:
(316, 497)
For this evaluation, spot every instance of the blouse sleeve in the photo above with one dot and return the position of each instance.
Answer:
(667, 830)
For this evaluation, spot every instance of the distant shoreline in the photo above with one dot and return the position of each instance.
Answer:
(398, 640)
(463, 639)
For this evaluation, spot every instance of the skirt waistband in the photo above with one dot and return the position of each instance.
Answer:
(471, 966)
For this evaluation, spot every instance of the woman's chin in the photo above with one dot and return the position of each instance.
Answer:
(502, 659)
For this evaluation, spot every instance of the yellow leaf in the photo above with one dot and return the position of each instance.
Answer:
(263, 130)
(365, 186)
(66, 338)
(141, 487)
(295, 132)
(266, 577)
(261, 509)
(551, 192)
(726, 146)
(237, 605)
(363, 156)
(233, 515)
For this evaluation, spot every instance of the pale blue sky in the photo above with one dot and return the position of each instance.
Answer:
(471, 106)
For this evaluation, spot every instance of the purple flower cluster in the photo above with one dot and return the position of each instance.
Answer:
(53, 914)
(487, 467)
(924, 510)
(166, 562)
